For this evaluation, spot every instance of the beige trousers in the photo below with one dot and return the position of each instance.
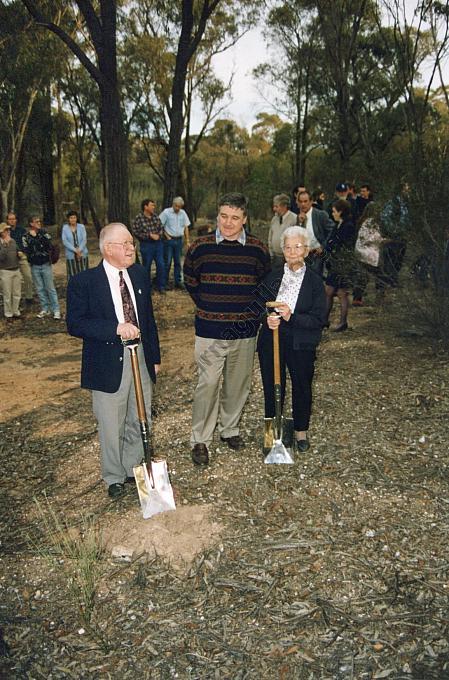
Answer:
(229, 360)
(27, 280)
(12, 287)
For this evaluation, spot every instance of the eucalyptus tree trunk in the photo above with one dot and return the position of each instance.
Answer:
(189, 40)
(101, 22)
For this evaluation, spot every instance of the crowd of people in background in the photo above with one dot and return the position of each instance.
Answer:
(26, 266)
(352, 239)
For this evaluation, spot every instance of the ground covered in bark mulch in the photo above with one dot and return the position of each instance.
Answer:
(335, 567)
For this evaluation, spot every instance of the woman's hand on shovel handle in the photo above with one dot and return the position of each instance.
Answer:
(273, 320)
(128, 331)
(284, 311)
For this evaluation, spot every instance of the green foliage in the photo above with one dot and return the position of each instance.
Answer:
(28, 62)
(283, 140)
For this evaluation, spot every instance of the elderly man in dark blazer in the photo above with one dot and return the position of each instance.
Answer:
(105, 305)
(318, 226)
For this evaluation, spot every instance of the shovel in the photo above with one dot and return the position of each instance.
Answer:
(278, 431)
(152, 480)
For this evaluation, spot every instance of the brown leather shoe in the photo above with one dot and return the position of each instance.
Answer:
(235, 442)
(200, 454)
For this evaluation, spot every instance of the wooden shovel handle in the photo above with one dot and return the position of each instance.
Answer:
(276, 356)
(138, 384)
(276, 359)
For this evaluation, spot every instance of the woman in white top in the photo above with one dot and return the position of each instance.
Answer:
(368, 252)
(300, 317)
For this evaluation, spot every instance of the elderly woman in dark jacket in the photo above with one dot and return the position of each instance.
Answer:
(300, 316)
(339, 253)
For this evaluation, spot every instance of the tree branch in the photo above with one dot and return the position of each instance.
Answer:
(41, 20)
(92, 21)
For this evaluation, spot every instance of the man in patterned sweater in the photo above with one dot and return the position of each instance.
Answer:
(221, 273)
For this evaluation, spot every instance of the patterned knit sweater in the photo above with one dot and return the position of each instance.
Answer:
(222, 280)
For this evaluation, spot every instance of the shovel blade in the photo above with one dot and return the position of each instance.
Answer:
(154, 488)
(269, 437)
(279, 455)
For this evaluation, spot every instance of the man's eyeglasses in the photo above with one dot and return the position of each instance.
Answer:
(124, 244)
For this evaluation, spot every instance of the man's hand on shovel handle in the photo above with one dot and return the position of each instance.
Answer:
(128, 331)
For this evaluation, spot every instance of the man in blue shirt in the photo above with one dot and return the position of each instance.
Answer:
(175, 223)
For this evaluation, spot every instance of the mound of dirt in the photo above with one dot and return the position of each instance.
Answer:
(176, 536)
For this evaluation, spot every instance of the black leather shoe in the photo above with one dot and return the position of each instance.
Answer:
(302, 445)
(235, 442)
(341, 327)
(130, 480)
(200, 454)
(116, 490)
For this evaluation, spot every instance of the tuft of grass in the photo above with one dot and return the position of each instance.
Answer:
(76, 550)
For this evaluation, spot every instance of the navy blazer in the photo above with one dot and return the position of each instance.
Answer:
(308, 317)
(91, 316)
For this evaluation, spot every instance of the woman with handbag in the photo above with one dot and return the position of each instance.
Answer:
(37, 246)
(74, 240)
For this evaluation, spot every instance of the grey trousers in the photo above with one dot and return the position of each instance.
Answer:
(118, 424)
(233, 361)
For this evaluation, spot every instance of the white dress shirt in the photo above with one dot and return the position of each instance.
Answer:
(114, 284)
(219, 238)
(313, 243)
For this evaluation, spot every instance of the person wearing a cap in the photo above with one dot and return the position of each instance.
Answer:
(341, 193)
(9, 272)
